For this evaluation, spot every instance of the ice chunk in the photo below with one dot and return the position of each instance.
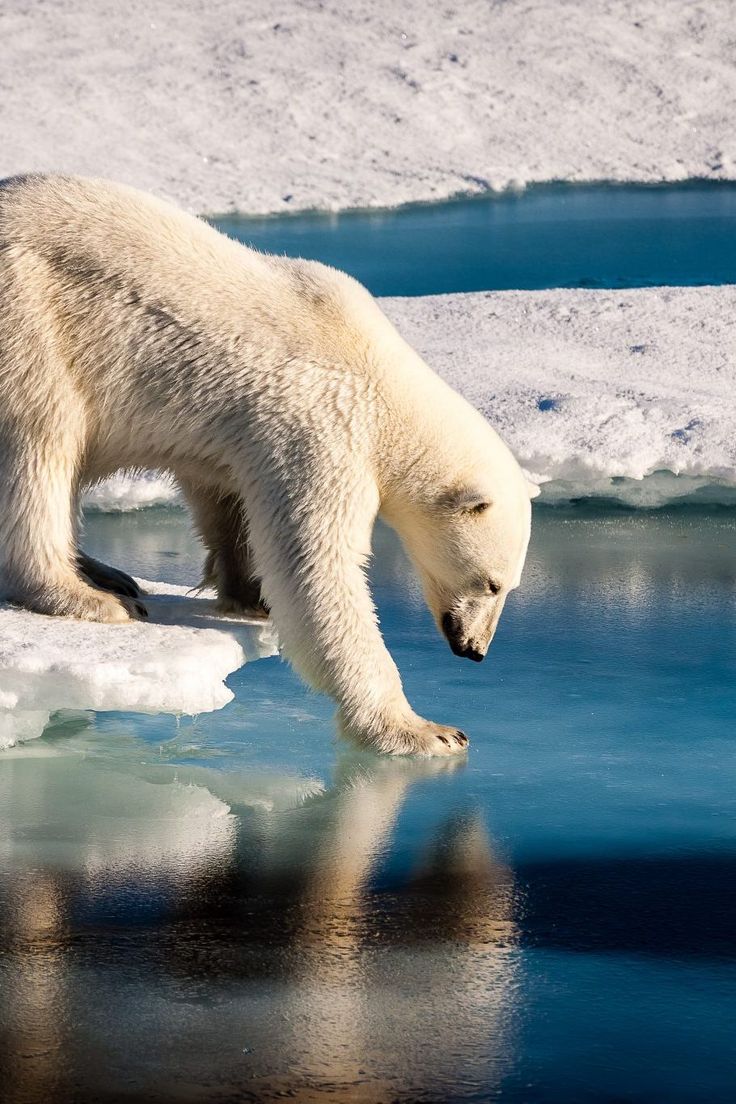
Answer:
(176, 662)
(19, 725)
(132, 491)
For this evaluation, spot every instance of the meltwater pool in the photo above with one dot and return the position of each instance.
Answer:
(553, 235)
(239, 907)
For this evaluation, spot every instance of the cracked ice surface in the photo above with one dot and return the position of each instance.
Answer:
(176, 662)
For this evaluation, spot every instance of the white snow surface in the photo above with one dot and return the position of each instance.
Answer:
(622, 394)
(175, 662)
(592, 387)
(132, 491)
(245, 105)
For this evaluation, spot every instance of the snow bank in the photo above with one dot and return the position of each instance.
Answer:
(237, 104)
(131, 491)
(596, 391)
(176, 662)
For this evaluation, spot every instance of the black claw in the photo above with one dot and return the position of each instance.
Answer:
(443, 739)
(108, 578)
(122, 583)
(125, 590)
(461, 738)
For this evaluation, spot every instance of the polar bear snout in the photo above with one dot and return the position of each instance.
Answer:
(454, 630)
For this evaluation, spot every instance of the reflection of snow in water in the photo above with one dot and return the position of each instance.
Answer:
(602, 561)
(101, 824)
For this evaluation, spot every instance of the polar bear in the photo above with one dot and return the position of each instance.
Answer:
(288, 408)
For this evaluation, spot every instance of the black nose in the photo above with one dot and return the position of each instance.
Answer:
(453, 632)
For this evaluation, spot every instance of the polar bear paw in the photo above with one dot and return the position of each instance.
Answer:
(234, 607)
(412, 736)
(425, 738)
(85, 603)
(107, 608)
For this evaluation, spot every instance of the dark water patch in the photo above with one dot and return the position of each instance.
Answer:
(679, 905)
(549, 236)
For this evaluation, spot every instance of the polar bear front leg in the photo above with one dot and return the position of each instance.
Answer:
(312, 566)
(373, 709)
(394, 734)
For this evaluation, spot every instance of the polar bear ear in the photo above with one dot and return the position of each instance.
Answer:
(464, 500)
(534, 490)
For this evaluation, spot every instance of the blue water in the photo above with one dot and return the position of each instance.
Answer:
(552, 919)
(593, 236)
(238, 907)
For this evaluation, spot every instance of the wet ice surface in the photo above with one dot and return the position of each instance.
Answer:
(238, 907)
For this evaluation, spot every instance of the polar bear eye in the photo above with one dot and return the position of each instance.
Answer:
(479, 508)
(493, 586)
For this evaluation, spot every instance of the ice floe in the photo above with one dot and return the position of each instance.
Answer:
(131, 491)
(240, 106)
(175, 662)
(624, 394)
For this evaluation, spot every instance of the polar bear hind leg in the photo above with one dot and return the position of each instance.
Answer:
(41, 443)
(36, 536)
(222, 523)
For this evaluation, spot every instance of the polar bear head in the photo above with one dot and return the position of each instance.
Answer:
(466, 523)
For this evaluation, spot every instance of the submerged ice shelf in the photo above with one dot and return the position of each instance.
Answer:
(176, 662)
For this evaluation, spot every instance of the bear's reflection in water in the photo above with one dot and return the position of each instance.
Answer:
(159, 947)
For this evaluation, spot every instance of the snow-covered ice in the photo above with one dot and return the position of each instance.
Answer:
(590, 386)
(131, 491)
(243, 105)
(175, 662)
(416, 102)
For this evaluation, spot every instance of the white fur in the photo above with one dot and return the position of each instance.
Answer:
(287, 406)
